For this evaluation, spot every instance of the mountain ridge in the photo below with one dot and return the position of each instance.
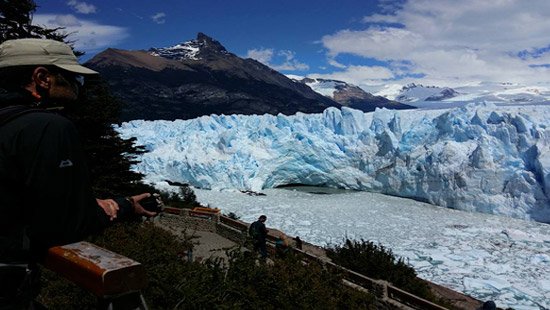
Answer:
(350, 95)
(200, 77)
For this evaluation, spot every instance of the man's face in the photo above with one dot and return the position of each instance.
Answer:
(64, 86)
(262, 219)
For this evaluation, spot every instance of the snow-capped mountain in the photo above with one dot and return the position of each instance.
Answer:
(190, 50)
(481, 158)
(415, 92)
(504, 92)
(492, 92)
(349, 95)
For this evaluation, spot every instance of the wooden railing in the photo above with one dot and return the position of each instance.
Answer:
(233, 223)
(411, 300)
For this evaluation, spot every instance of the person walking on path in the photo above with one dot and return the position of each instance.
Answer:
(258, 232)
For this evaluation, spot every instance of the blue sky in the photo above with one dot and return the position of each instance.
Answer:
(368, 43)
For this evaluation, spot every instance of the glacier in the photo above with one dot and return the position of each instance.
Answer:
(479, 157)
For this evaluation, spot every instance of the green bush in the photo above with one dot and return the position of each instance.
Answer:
(232, 215)
(185, 199)
(242, 282)
(375, 261)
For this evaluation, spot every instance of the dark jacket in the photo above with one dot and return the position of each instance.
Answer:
(46, 197)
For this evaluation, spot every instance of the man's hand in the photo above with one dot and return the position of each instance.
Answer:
(138, 208)
(109, 206)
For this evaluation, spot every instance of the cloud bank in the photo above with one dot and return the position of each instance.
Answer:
(89, 35)
(82, 7)
(266, 55)
(448, 42)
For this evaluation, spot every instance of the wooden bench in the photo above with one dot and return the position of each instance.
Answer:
(116, 280)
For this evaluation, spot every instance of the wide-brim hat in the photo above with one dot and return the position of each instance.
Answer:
(41, 52)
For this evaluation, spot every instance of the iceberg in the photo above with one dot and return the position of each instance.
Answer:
(479, 157)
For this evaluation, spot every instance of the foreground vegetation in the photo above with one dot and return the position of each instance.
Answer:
(241, 283)
(377, 262)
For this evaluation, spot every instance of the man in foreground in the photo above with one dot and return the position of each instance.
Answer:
(46, 197)
(258, 232)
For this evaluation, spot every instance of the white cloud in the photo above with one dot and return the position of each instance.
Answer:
(68, 20)
(159, 18)
(82, 7)
(265, 56)
(454, 41)
(89, 35)
(336, 64)
(295, 77)
(375, 42)
(290, 63)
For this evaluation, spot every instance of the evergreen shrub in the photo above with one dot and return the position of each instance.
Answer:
(185, 199)
(377, 262)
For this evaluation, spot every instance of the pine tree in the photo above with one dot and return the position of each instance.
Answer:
(16, 22)
(109, 156)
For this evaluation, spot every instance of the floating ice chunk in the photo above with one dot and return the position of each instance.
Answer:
(491, 284)
(522, 292)
(525, 307)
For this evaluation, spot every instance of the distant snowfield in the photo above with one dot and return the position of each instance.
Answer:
(484, 256)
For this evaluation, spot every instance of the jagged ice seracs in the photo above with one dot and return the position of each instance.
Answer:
(479, 157)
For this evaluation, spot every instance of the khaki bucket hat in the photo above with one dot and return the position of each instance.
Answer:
(43, 52)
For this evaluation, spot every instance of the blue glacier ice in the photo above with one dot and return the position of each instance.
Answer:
(479, 157)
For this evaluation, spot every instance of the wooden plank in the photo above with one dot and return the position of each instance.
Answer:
(98, 270)
(172, 210)
(202, 214)
(412, 300)
(207, 209)
(233, 223)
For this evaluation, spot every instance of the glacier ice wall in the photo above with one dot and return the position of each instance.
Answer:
(478, 157)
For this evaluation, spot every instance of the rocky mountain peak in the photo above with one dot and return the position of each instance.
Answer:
(194, 49)
(210, 44)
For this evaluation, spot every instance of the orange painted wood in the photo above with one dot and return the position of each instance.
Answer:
(207, 209)
(98, 270)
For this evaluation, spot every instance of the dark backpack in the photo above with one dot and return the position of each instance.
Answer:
(253, 230)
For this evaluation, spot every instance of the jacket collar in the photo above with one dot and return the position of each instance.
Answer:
(26, 98)
(22, 97)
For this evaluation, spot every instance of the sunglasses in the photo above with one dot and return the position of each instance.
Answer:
(69, 76)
